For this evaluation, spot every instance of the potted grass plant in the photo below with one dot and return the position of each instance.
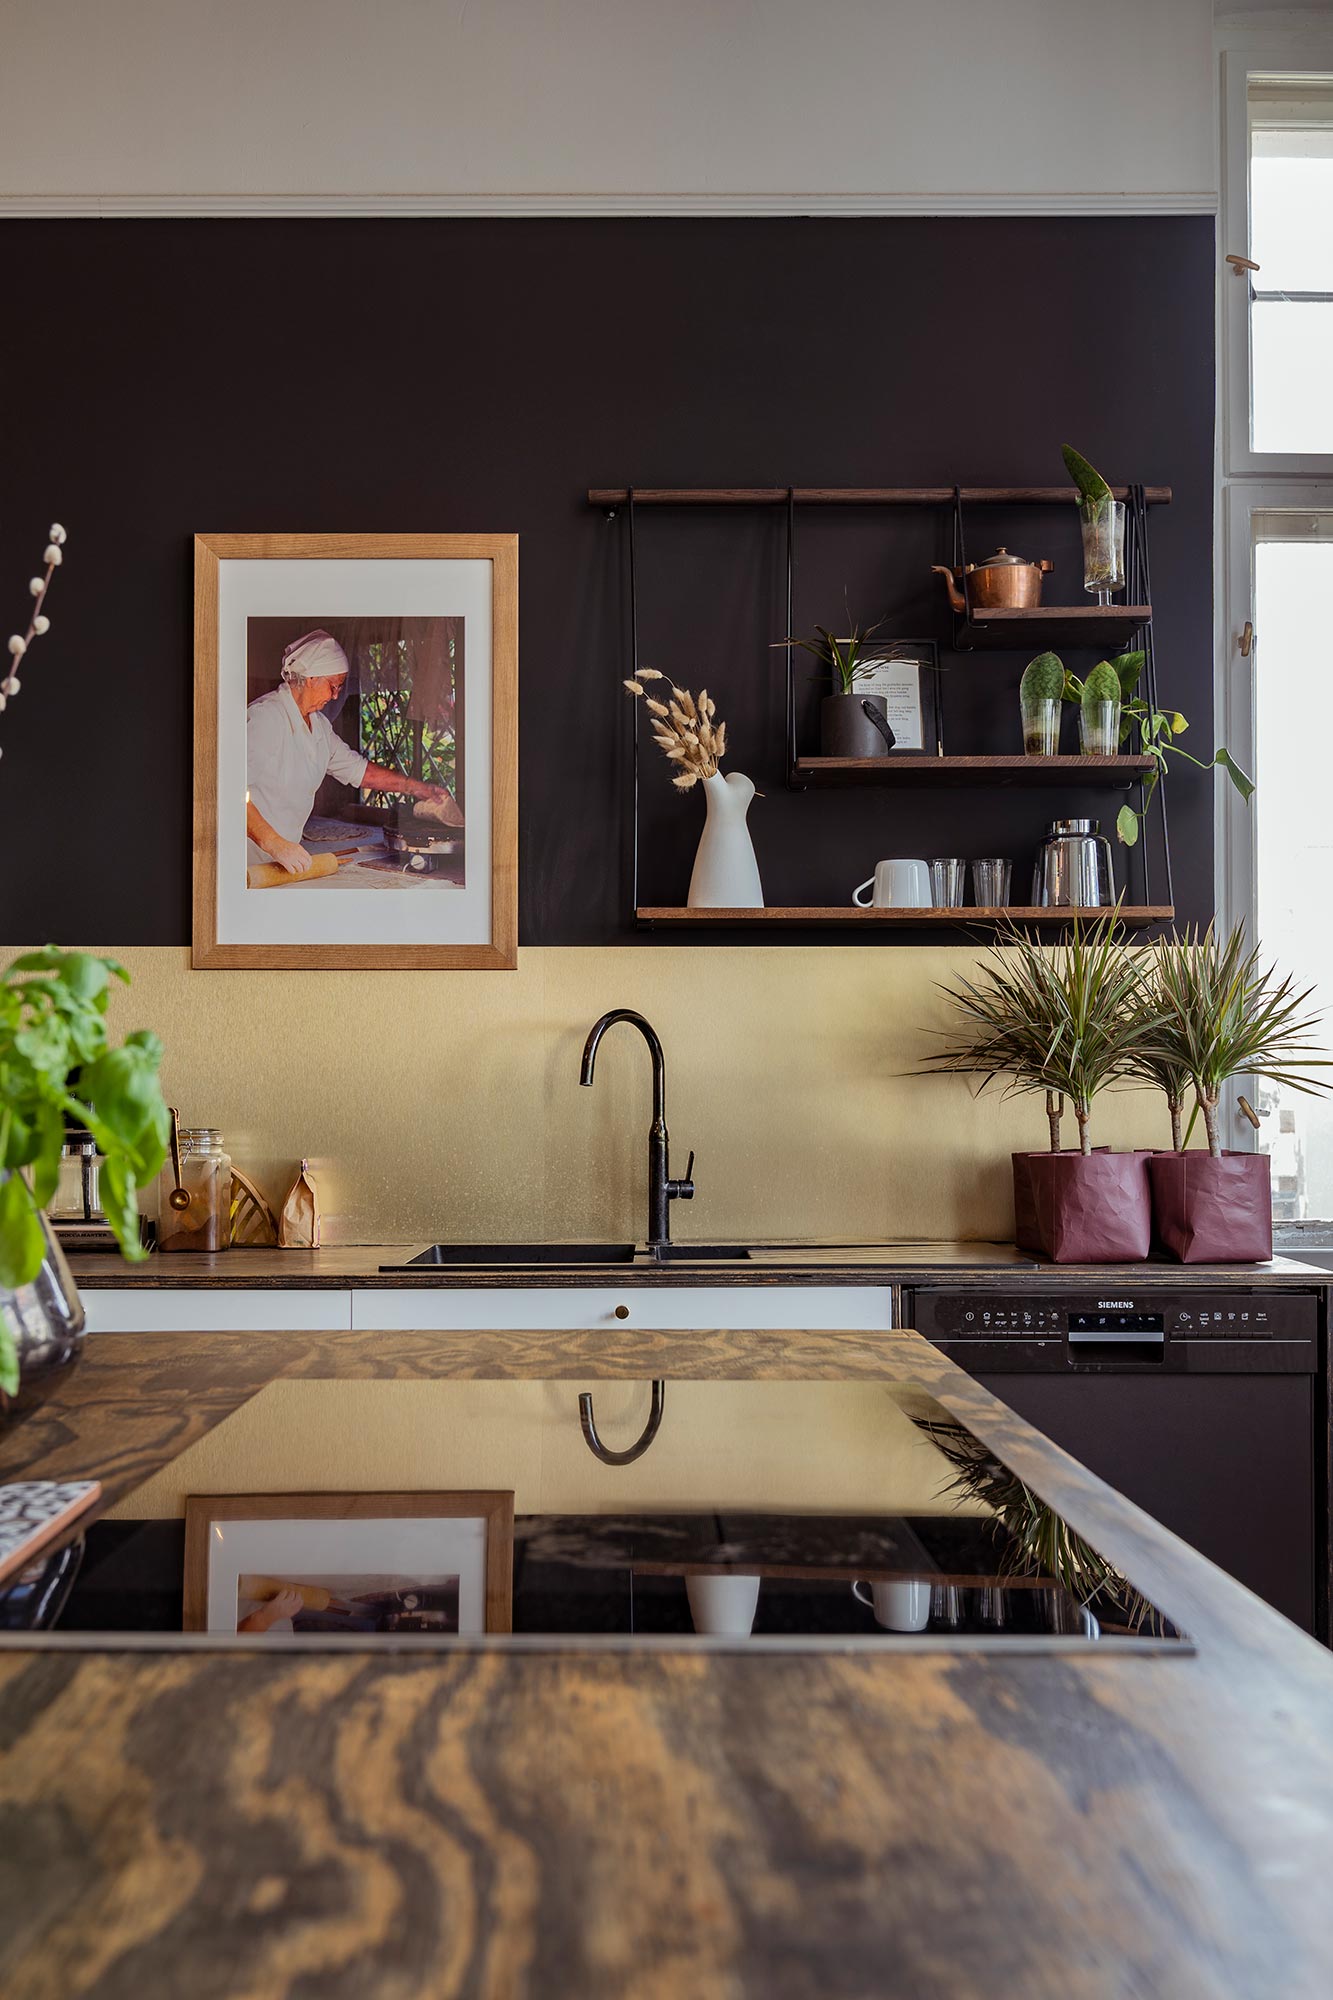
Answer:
(1063, 1023)
(1219, 1015)
(852, 723)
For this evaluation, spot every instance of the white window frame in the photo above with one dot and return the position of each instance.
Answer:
(1248, 481)
(1309, 53)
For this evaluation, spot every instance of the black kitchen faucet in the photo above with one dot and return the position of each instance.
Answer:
(662, 1190)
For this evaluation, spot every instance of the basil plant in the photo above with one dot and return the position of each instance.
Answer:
(56, 1063)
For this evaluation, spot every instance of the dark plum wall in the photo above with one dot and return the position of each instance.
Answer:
(168, 377)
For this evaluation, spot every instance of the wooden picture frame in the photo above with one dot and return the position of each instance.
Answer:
(310, 1562)
(385, 583)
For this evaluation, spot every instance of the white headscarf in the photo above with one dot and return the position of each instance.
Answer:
(317, 652)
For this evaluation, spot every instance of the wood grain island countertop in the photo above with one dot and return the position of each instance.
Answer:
(233, 1819)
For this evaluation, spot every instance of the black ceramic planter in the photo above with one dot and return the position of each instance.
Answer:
(1091, 1208)
(1209, 1211)
(845, 730)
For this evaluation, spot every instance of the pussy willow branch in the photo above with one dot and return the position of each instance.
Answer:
(38, 622)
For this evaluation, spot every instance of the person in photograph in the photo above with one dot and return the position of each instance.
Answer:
(291, 747)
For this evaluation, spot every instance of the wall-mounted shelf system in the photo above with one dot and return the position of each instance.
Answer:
(908, 768)
(1111, 628)
(1103, 628)
(1134, 917)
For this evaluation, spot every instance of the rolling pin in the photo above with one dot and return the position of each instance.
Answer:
(268, 875)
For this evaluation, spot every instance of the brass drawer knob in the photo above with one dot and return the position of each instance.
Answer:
(622, 1312)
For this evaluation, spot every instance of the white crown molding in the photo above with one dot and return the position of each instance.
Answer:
(34, 206)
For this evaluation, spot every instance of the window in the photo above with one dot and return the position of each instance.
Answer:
(391, 729)
(1287, 551)
(1291, 240)
(1277, 258)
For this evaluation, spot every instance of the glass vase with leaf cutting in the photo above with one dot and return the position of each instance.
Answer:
(58, 1065)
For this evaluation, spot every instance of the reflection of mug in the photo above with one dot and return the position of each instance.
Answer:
(896, 885)
(723, 1603)
(899, 1605)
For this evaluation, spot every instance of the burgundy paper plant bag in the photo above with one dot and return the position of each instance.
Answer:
(1211, 1211)
(1026, 1234)
(1092, 1208)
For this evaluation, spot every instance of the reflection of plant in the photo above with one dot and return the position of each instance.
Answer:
(1222, 1015)
(1064, 1021)
(1037, 1542)
(56, 1063)
(684, 728)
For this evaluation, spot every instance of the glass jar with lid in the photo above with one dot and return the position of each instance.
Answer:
(78, 1195)
(202, 1221)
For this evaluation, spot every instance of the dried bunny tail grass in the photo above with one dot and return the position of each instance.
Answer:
(683, 729)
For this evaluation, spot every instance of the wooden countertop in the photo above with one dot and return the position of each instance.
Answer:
(358, 1266)
(225, 1819)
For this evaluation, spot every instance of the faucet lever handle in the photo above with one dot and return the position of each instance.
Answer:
(684, 1190)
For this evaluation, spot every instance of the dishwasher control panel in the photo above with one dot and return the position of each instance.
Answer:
(1182, 1328)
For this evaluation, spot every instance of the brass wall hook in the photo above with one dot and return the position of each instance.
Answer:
(636, 1450)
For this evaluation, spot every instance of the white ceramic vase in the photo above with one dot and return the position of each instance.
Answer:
(726, 874)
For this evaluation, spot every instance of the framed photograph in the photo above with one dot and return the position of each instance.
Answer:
(906, 674)
(357, 1563)
(356, 751)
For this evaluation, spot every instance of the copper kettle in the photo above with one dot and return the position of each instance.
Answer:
(1001, 583)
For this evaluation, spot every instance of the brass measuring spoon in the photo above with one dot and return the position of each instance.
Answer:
(178, 1198)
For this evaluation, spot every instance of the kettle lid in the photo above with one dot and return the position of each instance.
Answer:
(1003, 560)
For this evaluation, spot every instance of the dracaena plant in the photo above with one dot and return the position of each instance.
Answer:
(1153, 730)
(845, 661)
(1220, 1014)
(1064, 1020)
(57, 1063)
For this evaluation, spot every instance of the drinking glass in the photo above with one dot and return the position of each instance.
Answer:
(1041, 726)
(1103, 523)
(946, 884)
(990, 884)
(1099, 728)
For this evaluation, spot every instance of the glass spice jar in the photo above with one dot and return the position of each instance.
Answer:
(205, 1176)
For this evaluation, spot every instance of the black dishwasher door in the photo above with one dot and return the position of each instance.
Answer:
(1225, 1461)
(1216, 1438)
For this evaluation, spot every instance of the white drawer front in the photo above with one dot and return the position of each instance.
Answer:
(865, 1308)
(199, 1309)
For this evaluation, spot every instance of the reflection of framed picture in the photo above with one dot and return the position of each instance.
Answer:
(906, 673)
(357, 1563)
(356, 750)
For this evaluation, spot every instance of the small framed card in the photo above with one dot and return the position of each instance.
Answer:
(906, 676)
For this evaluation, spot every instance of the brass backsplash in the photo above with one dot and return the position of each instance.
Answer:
(446, 1104)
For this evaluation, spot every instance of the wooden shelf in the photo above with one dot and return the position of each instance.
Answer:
(855, 496)
(913, 768)
(1110, 627)
(1133, 917)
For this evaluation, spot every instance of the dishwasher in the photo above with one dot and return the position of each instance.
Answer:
(1207, 1407)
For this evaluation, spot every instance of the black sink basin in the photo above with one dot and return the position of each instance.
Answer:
(439, 1254)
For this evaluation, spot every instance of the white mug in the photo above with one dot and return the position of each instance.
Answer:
(896, 885)
(723, 1603)
(900, 1604)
